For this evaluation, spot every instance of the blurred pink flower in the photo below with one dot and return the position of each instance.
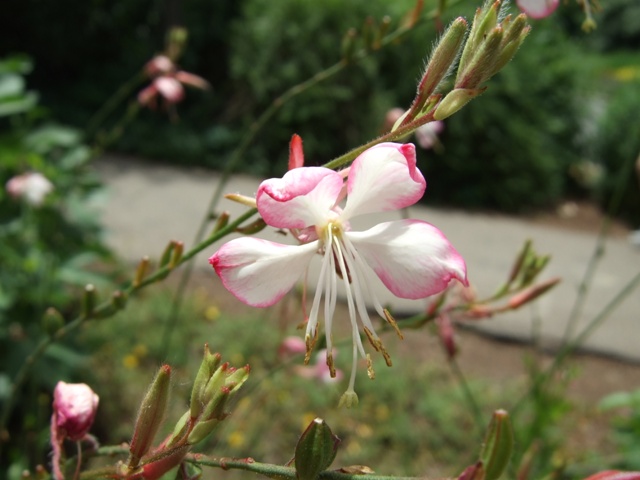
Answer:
(426, 135)
(32, 187)
(291, 346)
(538, 8)
(167, 82)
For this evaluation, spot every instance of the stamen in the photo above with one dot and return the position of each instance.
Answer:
(377, 344)
(392, 321)
(370, 372)
(310, 343)
(350, 302)
(332, 369)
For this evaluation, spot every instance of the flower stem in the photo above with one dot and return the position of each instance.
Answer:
(280, 472)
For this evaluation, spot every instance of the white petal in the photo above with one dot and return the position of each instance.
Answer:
(303, 197)
(260, 272)
(411, 257)
(384, 178)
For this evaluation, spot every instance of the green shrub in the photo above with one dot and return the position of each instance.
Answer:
(617, 146)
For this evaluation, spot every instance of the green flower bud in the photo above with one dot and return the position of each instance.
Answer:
(150, 416)
(209, 364)
(454, 101)
(89, 301)
(52, 321)
(498, 445)
(482, 63)
(315, 451)
(443, 56)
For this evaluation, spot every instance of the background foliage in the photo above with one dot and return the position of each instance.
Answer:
(527, 134)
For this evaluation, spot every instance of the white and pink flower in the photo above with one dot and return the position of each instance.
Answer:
(412, 258)
(32, 187)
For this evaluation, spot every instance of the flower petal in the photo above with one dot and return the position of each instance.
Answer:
(384, 178)
(301, 198)
(260, 272)
(538, 8)
(169, 88)
(412, 258)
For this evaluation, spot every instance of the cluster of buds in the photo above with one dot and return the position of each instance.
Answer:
(489, 46)
(215, 385)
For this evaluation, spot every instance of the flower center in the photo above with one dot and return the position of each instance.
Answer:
(340, 256)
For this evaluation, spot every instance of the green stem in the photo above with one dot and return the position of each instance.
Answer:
(572, 345)
(281, 472)
(468, 395)
(110, 105)
(106, 309)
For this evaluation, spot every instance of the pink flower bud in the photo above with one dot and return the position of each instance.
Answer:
(74, 409)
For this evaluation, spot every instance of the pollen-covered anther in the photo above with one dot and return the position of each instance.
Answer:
(392, 321)
(310, 343)
(370, 372)
(377, 344)
(332, 368)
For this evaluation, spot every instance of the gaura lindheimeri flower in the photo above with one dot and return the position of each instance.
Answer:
(538, 8)
(167, 82)
(412, 258)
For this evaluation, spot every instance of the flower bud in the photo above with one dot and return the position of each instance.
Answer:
(119, 299)
(160, 463)
(532, 293)
(296, 154)
(141, 271)
(443, 56)
(74, 409)
(498, 445)
(176, 256)
(481, 66)
(252, 228)
(315, 451)
(349, 45)
(52, 321)
(89, 301)
(473, 472)
(221, 222)
(150, 416)
(454, 101)
(209, 364)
